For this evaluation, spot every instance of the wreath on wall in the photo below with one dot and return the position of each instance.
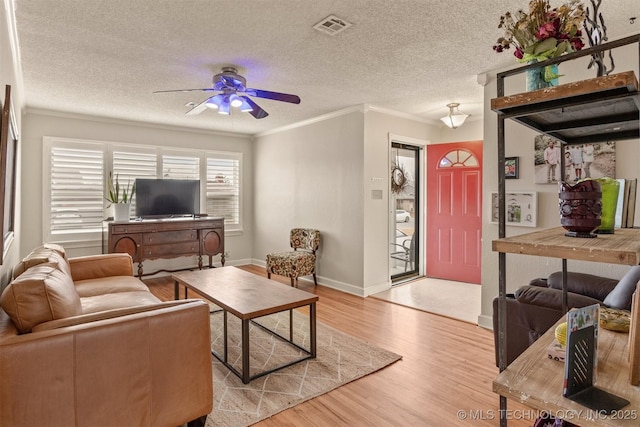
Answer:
(398, 179)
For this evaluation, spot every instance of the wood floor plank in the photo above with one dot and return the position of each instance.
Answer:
(446, 371)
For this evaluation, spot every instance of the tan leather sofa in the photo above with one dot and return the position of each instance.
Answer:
(84, 343)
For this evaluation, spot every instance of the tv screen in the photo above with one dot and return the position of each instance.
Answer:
(167, 197)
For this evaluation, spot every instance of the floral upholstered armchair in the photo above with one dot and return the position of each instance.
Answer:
(299, 262)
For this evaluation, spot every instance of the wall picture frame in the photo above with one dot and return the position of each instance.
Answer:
(8, 155)
(511, 168)
(521, 208)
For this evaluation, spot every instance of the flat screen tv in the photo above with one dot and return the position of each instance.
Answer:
(167, 197)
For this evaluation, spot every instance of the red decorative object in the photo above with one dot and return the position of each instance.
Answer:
(580, 208)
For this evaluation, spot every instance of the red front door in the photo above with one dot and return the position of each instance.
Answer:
(454, 211)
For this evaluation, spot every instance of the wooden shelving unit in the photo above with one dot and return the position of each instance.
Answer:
(623, 247)
(605, 108)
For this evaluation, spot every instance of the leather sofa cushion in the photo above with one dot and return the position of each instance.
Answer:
(41, 294)
(104, 302)
(48, 253)
(551, 298)
(109, 285)
(103, 265)
(584, 284)
(620, 296)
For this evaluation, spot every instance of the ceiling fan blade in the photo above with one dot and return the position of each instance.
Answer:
(285, 97)
(257, 111)
(198, 108)
(206, 89)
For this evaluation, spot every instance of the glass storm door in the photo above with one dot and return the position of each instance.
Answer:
(405, 191)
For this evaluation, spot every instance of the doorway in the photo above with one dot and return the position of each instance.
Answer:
(404, 251)
(454, 211)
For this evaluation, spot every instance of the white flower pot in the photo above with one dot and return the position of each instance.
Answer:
(121, 211)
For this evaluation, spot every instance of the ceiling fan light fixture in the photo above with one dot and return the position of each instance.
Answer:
(235, 100)
(454, 119)
(214, 102)
(224, 107)
(245, 107)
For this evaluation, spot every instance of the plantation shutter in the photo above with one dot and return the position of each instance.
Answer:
(129, 165)
(180, 167)
(223, 188)
(75, 173)
(76, 203)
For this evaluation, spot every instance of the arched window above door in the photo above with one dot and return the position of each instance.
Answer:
(458, 158)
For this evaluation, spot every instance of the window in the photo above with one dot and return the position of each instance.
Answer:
(223, 187)
(458, 158)
(74, 182)
(75, 173)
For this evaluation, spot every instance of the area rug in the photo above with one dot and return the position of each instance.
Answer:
(340, 359)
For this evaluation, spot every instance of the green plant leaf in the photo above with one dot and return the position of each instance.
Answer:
(545, 45)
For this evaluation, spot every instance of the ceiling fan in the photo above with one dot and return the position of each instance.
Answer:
(233, 93)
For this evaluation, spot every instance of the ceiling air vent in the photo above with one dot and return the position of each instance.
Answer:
(332, 25)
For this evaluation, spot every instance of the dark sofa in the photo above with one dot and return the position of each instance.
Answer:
(534, 308)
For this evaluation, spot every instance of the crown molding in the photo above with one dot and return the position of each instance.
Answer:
(399, 114)
(86, 117)
(356, 108)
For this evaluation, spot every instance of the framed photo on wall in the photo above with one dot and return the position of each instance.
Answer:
(520, 208)
(580, 161)
(511, 168)
(595, 160)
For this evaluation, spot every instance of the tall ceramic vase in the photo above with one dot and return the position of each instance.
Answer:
(536, 77)
(121, 211)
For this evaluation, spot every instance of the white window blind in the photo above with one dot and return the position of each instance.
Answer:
(180, 167)
(223, 188)
(75, 174)
(76, 194)
(130, 165)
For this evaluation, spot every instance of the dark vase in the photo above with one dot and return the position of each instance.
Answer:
(580, 208)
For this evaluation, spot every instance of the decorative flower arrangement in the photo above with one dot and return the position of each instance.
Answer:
(544, 32)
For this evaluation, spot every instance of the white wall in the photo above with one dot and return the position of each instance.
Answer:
(9, 76)
(379, 125)
(519, 142)
(472, 130)
(42, 123)
(321, 175)
(311, 176)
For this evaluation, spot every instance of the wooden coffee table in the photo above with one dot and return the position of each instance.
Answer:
(248, 296)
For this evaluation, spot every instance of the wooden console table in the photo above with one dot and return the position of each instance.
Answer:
(168, 238)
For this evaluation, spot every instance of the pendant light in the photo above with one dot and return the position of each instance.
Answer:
(454, 119)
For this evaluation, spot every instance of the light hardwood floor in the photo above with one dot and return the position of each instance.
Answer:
(445, 373)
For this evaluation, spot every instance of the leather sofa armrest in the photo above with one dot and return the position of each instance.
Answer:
(103, 315)
(155, 367)
(105, 265)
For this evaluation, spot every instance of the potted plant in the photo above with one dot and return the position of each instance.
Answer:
(120, 198)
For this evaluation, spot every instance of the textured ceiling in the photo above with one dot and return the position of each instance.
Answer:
(106, 57)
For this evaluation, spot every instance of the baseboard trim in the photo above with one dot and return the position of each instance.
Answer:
(485, 321)
(324, 281)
